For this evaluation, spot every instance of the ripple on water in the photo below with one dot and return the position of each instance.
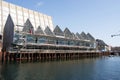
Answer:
(104, 68)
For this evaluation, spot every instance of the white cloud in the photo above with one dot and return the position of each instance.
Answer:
(39, 4)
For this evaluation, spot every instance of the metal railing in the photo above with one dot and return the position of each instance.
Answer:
(51, 51)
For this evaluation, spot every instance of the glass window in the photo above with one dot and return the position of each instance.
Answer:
(18, 38)
(42, 40)
(60, 42)
(30, 39)
(71, 42)
(50, 41)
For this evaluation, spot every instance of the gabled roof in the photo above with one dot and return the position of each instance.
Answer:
(28, 27)
(79, 36)
(67, 33)
(58, 31)
(74, 36)
(48, 31)
(8, 33)
(39, 30)
(101, 42)
(90, 37)
(84, 36)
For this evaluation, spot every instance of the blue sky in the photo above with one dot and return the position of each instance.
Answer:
(101, 18)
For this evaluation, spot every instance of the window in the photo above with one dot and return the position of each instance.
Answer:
(16, 38)
(42, 40)
(30, 39)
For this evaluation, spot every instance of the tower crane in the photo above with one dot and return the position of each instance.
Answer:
(115, 35)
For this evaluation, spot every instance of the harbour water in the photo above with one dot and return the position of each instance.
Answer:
(101, 68)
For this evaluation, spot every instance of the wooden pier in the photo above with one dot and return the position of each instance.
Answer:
(49, 54)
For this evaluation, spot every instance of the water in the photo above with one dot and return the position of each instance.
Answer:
(104, 68)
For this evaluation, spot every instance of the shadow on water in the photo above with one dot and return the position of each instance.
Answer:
(54, 60)
(7, 70)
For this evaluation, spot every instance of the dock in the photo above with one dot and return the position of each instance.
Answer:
(48, 54)
(31, 44)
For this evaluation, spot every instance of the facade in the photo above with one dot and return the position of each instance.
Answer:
(29, 29)
(30, 34)
(20, 15)
(102, 46)
(38, 41)
(45, 44)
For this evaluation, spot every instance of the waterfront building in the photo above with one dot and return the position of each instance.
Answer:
(20, 15)
(30, 33)
(102, 46)
(37, 40)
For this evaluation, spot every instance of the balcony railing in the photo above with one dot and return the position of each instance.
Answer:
(50, 51)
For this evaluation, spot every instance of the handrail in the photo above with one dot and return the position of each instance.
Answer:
(56, 45)
(51, 51)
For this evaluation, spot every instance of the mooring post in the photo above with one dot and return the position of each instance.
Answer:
(6, 56)
(2, 56)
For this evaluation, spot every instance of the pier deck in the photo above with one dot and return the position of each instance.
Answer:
(49, 54)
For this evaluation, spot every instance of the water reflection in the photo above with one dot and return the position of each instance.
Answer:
(9, 71)
(105, 68)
